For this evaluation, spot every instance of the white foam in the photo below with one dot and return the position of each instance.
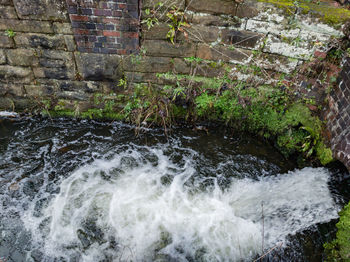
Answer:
(148, 217)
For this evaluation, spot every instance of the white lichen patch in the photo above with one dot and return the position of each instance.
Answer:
(317, 27)
(275, 46)
(279, 64)
(263, 27)
(290, 33)
(270, 16)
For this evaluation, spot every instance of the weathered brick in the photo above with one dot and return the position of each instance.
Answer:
(70, 43)
(53, 73)
(13, 89)
(2, 57)
(39, 90)
(276, 63)
(85, 11)
(148, 64)
(99, 67)
(102, 12)
(154, 3)
(41, 41)
(137, 77)
(277, 46)
(53, 10)
(264, 27)
(198, 33)
(181, 66)
(16, 74)
(80, 18)
(8, 12)
(165, 48)
(221, 53)
(62, 28)
(241, 38)
(6, 2)
(26, 26)
(21, 57)
(55, 64)
(55, 54)
(6, 42)
(215, 20)
(227, 7)
(111, 33)
(157, 32)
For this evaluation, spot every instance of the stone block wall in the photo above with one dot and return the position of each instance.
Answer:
(44, 47)
(338, 116)
(252, 34)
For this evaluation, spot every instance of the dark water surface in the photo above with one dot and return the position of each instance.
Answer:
(91, 191)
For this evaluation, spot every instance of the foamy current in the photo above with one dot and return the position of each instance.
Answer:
(141, 205)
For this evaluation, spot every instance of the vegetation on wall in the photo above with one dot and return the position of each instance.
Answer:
(271, 111)
(339, 249)
(329, 14)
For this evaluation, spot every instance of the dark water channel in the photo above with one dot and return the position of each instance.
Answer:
(89, 191)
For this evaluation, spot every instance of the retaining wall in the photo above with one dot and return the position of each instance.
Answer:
(339, 116)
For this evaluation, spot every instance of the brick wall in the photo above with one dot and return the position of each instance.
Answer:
(42, 57)
(108, 27)
(338, 116)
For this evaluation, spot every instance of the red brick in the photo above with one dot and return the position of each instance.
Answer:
(111, 21)
(79, 18)
(111, 33)
(122, 52)
(131, 34)
(85, 44)
(111, 40)
(117, 13)
(102, 12)
(81, 31)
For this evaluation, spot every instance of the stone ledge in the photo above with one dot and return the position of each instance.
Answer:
(222, 53)
(16, 74)
(26, 26)
(165, 48)
(40, 41)
(99, 67)
(51, 10)
(21, 57)
(148, 64)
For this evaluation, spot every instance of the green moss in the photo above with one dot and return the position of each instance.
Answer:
(271, 113)
(268, 111)
(331, 15)
(206, 82)
(339, 249)
(60, 113)
(324, 154)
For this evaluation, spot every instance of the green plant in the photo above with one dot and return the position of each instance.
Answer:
(177, 23)
(10, 33)
(150, 21)
(147, 105)
(123, 83)
(339, 249)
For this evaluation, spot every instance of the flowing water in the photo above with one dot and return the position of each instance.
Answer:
(89, 191)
